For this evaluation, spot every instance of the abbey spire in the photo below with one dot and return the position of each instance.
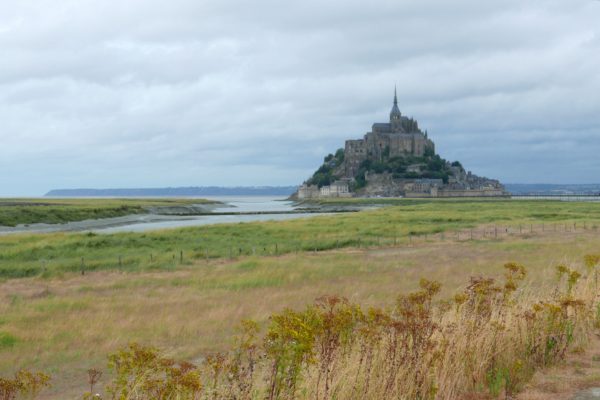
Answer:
(395, 115)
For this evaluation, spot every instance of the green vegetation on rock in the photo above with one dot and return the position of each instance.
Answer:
(326, 173)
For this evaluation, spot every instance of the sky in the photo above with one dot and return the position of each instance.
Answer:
(115, 94)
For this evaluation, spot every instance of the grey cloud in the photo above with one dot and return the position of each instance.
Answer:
(150, 93)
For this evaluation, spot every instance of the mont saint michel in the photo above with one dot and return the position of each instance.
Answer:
(394, 159)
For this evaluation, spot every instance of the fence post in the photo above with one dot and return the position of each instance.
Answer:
(471, 233)
(82, 266)
(120, 262)
(276, 249)
(495, 232)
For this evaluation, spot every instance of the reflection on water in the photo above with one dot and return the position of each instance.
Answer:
(233, 204)
(203, 220)
(252, 204)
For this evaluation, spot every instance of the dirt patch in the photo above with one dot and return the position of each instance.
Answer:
(572, 380)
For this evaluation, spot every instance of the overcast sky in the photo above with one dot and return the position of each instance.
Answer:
(113, 93)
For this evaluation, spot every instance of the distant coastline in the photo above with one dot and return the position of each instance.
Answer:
(176, 191)
(512, 188)
(552, 189)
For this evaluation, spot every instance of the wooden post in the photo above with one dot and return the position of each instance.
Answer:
(180, 256)
(495, 232)
(82, 266)
(230, 253)
(471, 233)
(520, 229)
(120, 262)
(276, 249)
(151, 257)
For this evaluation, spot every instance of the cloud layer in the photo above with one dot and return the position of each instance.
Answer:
(99, 93)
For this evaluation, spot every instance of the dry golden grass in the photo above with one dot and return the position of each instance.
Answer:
(66, 325)
(580, 370)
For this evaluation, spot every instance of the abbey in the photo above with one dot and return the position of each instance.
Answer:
(401, 136)
(394, 159)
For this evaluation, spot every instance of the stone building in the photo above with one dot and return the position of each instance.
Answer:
(401, 136)
(339, 188)
(423, 174)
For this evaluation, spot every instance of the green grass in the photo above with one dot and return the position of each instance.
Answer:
(14, 212)
(7, 340)
(51, 254)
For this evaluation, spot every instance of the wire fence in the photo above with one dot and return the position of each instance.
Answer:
(343, 241)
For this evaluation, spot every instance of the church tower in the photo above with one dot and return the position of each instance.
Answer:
(395, 115)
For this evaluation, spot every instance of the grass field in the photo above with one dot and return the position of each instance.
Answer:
(54, 211)
(50, 254)
(63, 323)
(64, 326)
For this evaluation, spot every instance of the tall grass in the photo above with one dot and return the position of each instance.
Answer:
(488, 338)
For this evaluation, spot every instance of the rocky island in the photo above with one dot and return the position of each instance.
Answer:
(394, 159)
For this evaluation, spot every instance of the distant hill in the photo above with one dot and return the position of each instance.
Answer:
(176, 191)
(547, 188)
